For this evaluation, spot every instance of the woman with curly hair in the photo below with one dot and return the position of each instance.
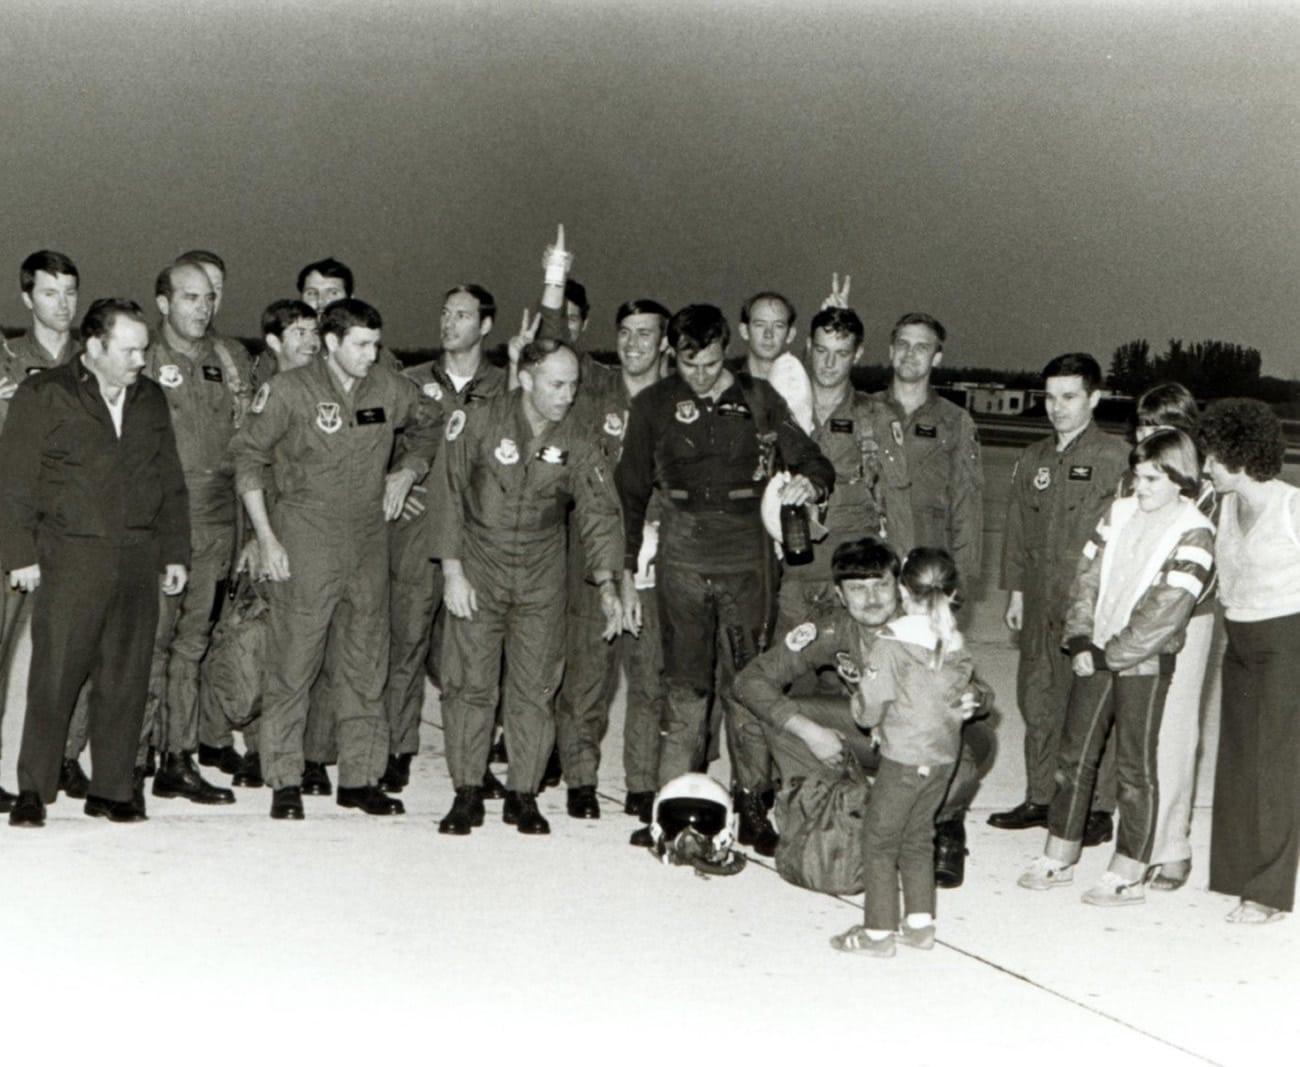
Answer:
(1255, 838)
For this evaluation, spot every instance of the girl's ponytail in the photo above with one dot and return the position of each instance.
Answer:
(930, 577)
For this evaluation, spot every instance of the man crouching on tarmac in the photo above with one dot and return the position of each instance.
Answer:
(809, 736)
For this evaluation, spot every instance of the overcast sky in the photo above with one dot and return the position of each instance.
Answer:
(1042, 177)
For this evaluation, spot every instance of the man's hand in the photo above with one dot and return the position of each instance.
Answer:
(250, 559)
(632, 617)
(275, 560)
(414, 506)
(822, 742)
(1015, 616)
(968, 703)
(527, 332)
(839, 298)
(611, 606)
(1082, 664)
(25, 579)
(7, 388)
(798, 490)
(556, 260)
(396, 488)
(458, 594)
(175, 577)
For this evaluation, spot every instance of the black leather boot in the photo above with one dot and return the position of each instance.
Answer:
(223, 757)
(286, 803)
(466, 812)
(640, 804)
(582, 803)
(397, 775)
(1099, 829)
(520, 811)
(949, 853)
(754, 831)
(493, 788)
(553, 773)
(316, 780)
(1021, 817)
(178, 777)
(28, 810)
(370, 799)
(249, 775)
(113, 810)
(72, 780)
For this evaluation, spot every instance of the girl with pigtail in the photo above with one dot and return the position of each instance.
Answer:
(911, 693)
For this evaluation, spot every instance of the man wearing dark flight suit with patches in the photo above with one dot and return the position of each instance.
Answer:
(325, 432)
(501, 489)
(708, 440)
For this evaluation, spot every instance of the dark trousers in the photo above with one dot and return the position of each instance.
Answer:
(1255, 838)
(795, 760)
(898, 841)
(1134, 705)
(695, 610)
(95, 617)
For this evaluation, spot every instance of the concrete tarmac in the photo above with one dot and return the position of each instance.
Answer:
(218, 935)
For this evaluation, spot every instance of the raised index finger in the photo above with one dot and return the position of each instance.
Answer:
(559, 237)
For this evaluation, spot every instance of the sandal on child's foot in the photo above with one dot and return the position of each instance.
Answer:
(1166, 877)
(856, 939)
(1252, 914)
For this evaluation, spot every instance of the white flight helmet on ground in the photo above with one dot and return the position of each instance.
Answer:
(694, 823)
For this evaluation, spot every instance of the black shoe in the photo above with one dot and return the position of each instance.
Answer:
(1099, 829)
(286, 803)
(249, 775)
(113, 810)
(178, 777)
(6, 800)
(641, 838)
(151, 763)
(497, 753)
(520, 811)
(1021, 817)
(492, 788)
(28, 810)
(950, 854)
(466, 812)
(316, 780)
(640, 804)
(582, 802)
(370, 799)
(397, 775)
(72, 780)
(554, 772)
(224, 758)
(754, 829)
(137, 792)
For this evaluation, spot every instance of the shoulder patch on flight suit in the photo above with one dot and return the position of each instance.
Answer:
(614, 424)
(550, 454)
(1080, 473)
(213, 374)
(370, 416)
(432, 390)
(841, 425)
(924, 429)
(455, 424)
(170, 375)
(687, 412)
(327, 417)
(735, 410)
(507, 452)
(259, 401)
(846, 668)
(801, 636)
(1043, 479)
(896, 428)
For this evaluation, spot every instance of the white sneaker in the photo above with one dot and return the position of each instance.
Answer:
(1046, 873)
(1113, 890)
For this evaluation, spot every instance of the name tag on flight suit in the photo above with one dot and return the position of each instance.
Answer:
(1080, 474)
(213, 374)
(922, 430)
(841, 425)
(558, 456)
(370, 416)
(738, 411)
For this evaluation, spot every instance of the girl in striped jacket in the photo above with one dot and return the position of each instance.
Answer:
(1137, 582)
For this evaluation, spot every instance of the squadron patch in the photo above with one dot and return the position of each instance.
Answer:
(801, 636)
(327, 417)
(432, 390)
(687, 412)
(455, 424)
(259, 401)
(507, 452)
(614, 424)
(1043, 479)
(847, 669)
(558, 457)
(170, 376)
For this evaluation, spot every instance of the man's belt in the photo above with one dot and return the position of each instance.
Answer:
(708, 498)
